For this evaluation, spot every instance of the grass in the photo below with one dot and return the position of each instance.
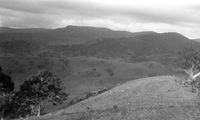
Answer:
(80, 75)
(154, 98)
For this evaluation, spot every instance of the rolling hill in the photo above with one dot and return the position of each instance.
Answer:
(67, 35)
(13, 42)
(7, 30)
(80, 75)
(153, 98)
(82, 34)
(80, 72)
(88, 59)
(198, 40)
(157, 47)
(73, 41)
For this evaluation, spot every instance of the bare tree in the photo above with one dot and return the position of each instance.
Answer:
(188, 60)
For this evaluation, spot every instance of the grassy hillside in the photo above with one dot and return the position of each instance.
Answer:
(153, 98)
(88, 59)
(80, 71)
(80, 75)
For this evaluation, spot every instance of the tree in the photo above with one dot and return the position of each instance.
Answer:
(8, 107)
(14, 107)
(6, 88)
(6, 84)
(3, 106)
(188, 60)
(41, 88)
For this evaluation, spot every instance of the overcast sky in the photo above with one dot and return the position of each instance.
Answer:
(181, 16)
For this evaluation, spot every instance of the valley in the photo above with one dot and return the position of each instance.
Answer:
(89, 59)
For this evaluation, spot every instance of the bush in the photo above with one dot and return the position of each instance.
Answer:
(110, 71)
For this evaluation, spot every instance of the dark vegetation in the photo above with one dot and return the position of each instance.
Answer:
(110, 71)
(33, 93)
(6, 84)
(19, 47)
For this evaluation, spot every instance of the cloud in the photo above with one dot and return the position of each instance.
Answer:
(22, 5)
(116, 14)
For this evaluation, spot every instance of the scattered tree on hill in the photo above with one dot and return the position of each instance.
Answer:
(41, 88)
(188, 60)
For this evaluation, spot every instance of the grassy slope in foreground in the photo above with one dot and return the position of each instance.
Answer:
(153, 98)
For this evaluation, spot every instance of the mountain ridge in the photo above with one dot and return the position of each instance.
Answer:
(7, 30)
(95, 42)
(67, 35)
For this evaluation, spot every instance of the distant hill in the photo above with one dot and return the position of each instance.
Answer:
(67, 35)
(158, 47)
(198, 39)
(81, 34)
(7, 30)
(153, 98)
(94, 42)
(37, 39)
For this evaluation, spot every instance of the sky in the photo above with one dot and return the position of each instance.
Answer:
(182, 16)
